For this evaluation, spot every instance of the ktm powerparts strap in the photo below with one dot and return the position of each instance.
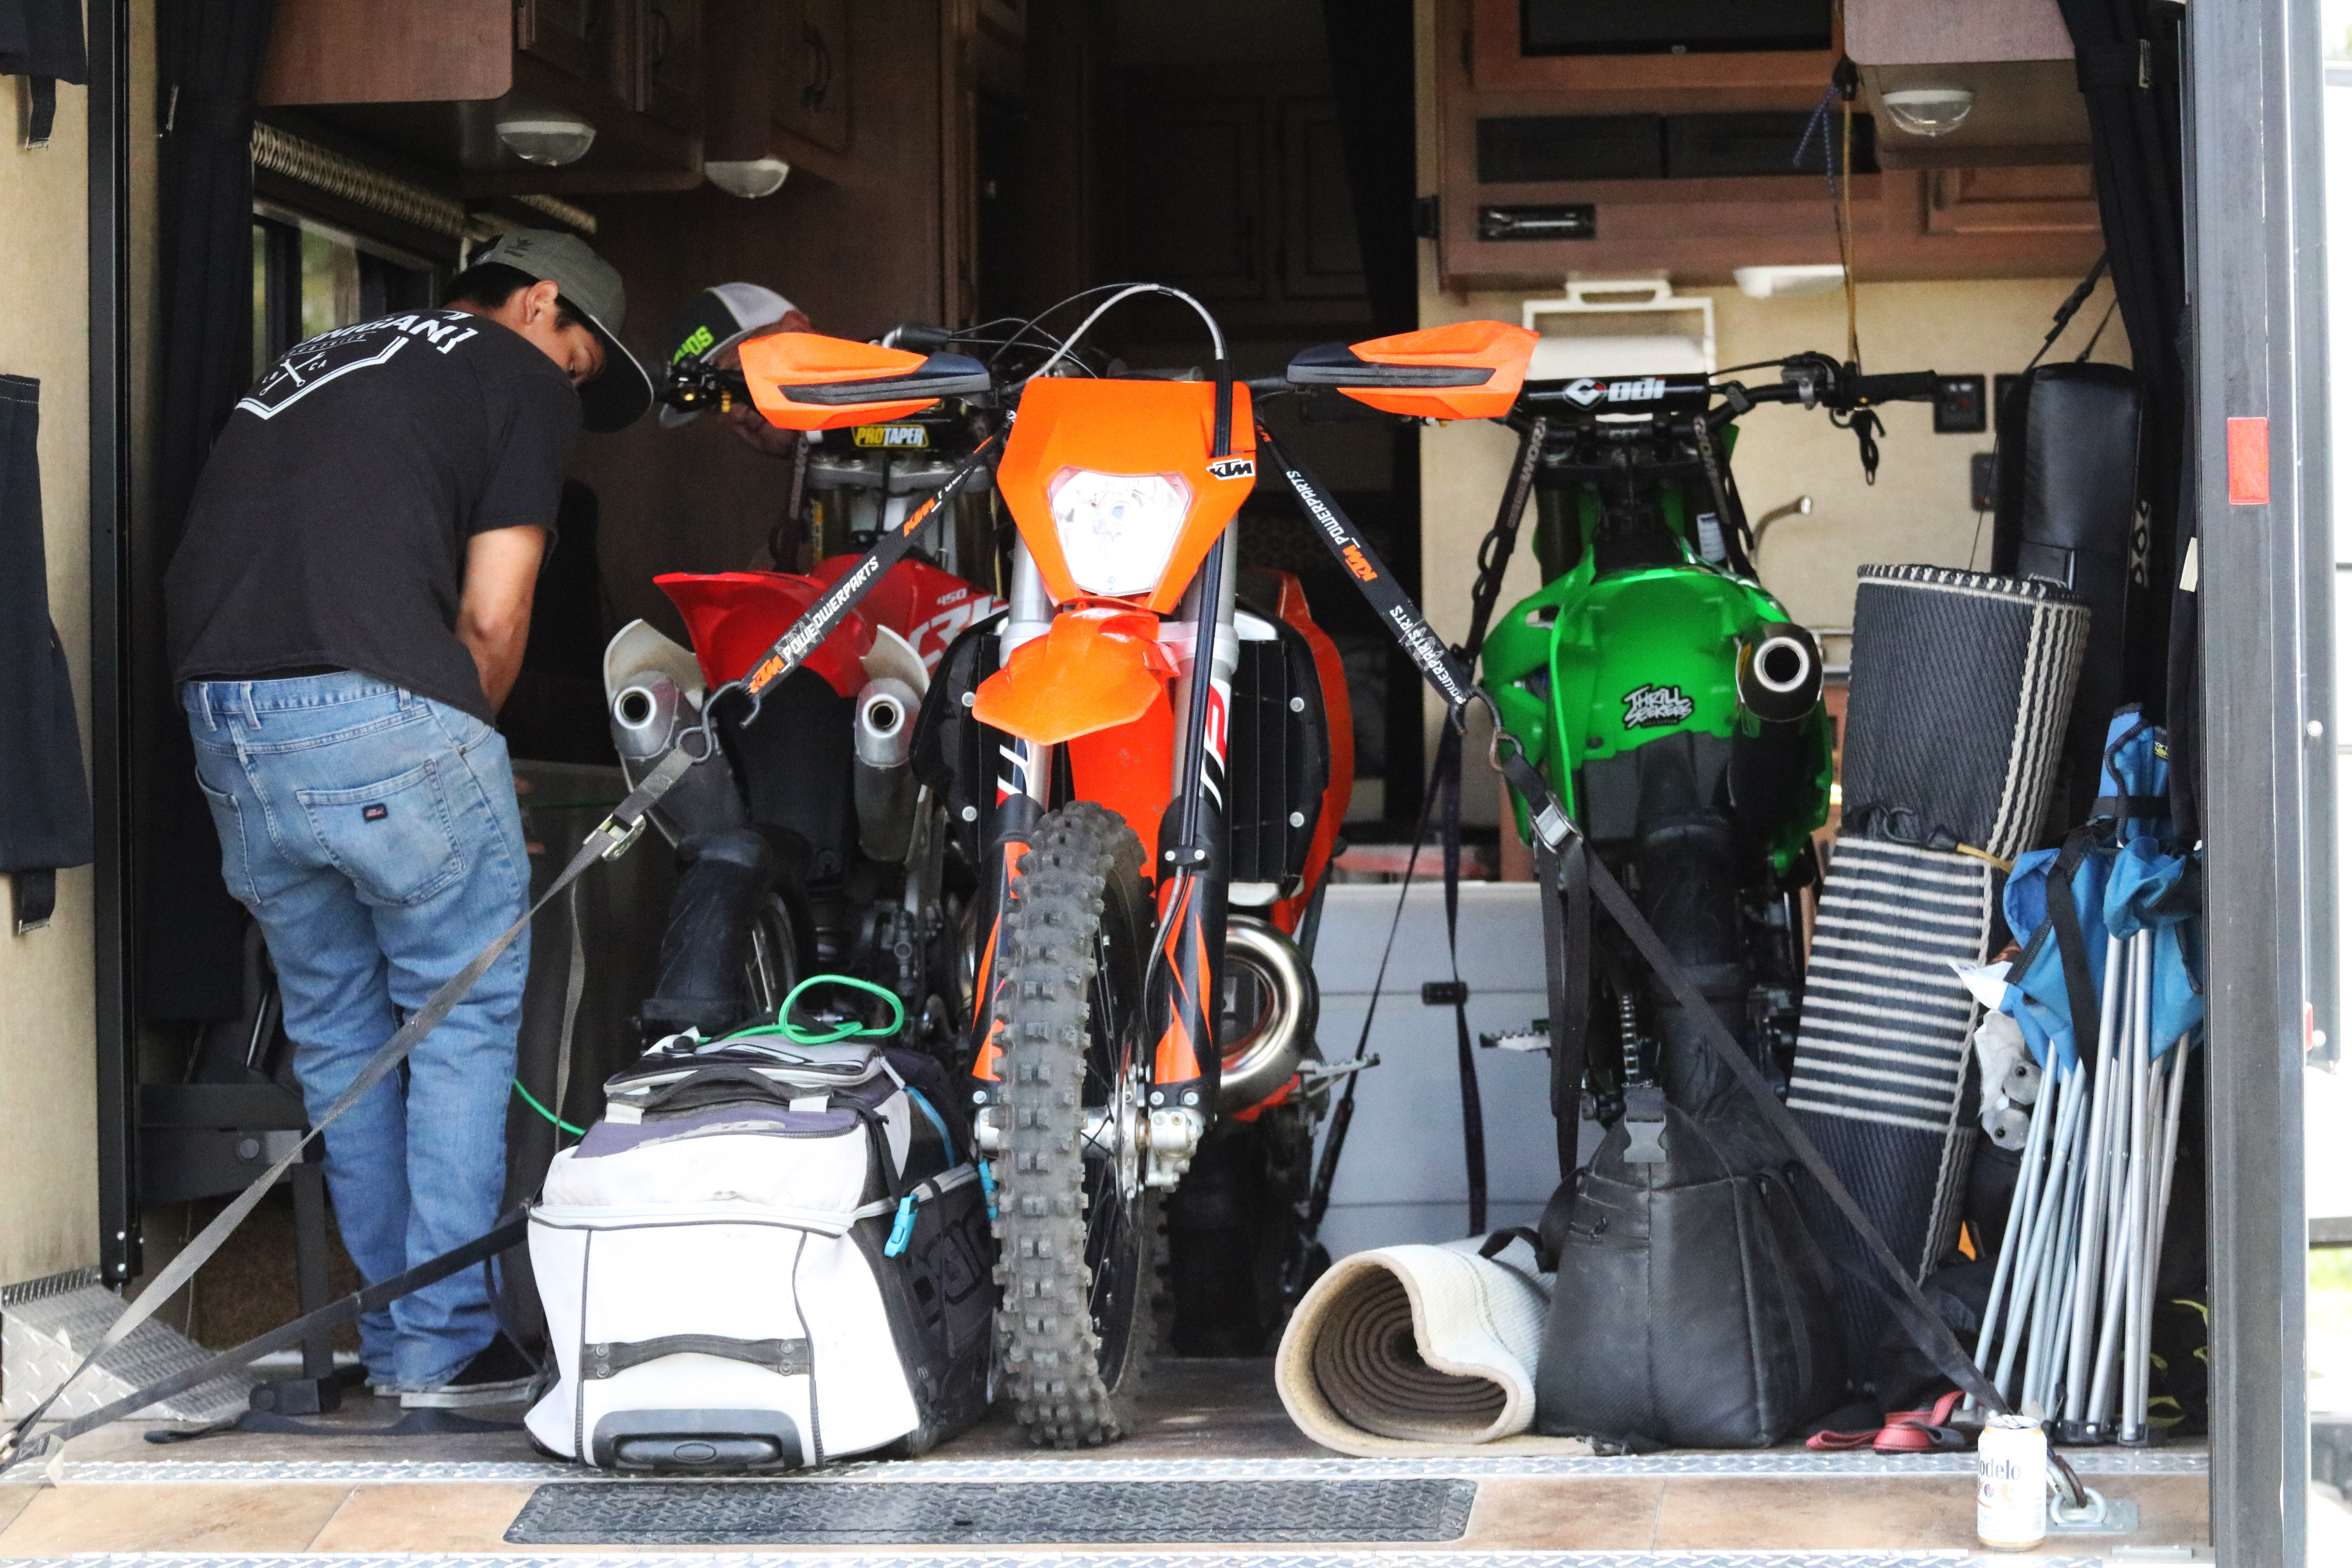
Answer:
(1439, 665)
(1552, 824)
(807, 634)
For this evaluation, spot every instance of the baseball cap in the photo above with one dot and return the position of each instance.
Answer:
(719, 316)
(622, 391)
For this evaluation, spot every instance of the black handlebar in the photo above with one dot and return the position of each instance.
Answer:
(1911, 386)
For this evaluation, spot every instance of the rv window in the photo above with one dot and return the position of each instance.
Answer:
(309, 278)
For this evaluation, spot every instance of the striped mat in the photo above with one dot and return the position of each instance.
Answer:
(1882, 1053)
(1962, 683)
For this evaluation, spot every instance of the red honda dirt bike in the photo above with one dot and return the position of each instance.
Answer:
(1145, 742)
(805, 845)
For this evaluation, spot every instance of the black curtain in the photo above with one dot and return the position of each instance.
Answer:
(2127, 63)
(1372, 76)
(41, 40)
(209, 55)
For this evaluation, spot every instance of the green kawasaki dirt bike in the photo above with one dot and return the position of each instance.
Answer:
(1671, 704)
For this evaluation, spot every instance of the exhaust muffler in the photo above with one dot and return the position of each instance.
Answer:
(1270, 986)
(883, 774)
(1780, 675)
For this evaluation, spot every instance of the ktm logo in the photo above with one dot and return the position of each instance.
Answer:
(1357, 565)
(1232, 469)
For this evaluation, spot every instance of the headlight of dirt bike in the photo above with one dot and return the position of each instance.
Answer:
(1118, 530)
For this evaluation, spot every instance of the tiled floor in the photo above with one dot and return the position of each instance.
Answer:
(1222, 1411)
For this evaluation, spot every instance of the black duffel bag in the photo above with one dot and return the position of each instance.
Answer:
(1692, 1307)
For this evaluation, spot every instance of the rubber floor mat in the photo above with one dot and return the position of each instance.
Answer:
(929, 1513)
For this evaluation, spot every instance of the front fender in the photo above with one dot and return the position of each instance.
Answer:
(1094, 669)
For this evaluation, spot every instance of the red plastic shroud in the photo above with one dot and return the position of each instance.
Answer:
(733, 618)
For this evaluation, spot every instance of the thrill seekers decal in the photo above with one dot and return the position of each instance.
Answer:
(1647, 707)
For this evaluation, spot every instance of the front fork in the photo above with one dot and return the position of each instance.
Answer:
(1023, 793)
(1194, 863)
(1192, 859)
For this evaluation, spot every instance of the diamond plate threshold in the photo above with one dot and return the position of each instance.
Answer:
(1273, 1557)
(2087, 1461)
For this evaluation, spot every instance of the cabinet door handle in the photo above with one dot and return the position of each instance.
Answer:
(821, 77)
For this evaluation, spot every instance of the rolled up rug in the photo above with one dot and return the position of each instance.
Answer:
(1418, 1348)
(1962, 685)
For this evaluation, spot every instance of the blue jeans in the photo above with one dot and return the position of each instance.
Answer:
(374, 835)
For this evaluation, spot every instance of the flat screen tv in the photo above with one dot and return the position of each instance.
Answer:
(1671, 27)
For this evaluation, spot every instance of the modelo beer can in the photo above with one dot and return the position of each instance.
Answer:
(2013, 1483)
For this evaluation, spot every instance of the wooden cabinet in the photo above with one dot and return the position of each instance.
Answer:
(1232, 184)
(574, 37)
(779, 81)
(2021, 218)
(2051, 199)
(810, 71)
(671, 86)
(431, 79)
(1196, 195)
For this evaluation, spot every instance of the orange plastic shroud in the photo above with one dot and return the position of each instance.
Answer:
(1466, 345)
(1126, 427)
(809, 358)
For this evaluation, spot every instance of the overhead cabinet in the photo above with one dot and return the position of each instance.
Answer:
(779, 83)
(1585, 139)
(433, 81)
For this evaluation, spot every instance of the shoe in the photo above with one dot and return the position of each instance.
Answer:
(1923, 1431)
(499, 1374)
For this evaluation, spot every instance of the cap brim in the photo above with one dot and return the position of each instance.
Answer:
(621, 392)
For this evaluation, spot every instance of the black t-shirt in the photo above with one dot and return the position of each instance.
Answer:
(329, 528)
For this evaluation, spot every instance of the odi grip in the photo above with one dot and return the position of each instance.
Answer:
(1918, 386)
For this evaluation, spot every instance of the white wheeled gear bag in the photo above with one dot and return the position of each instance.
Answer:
(766, 1256)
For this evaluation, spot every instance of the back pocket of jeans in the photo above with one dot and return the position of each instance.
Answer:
(228, 822)
(392, 839)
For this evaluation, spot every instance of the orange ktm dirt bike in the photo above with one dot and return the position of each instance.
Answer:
(1142, 744)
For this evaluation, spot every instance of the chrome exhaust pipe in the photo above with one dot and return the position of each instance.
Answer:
(1780, 675)
(883, 776)
(648, 715)
(1269, 978)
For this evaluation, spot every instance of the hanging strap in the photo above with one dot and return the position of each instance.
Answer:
(1466, 1056)
(1327, 1169)
(575, 984)
(2064, 924)
(1566, 900)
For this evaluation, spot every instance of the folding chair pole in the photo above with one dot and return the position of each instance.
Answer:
(2134, 1379)
(2020, 1223)
(2041, 1364)
(2033, 1277)
(2120, 1242)
(2095, 1160)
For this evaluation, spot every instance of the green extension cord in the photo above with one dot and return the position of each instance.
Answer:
(800, 1035)
(535, 1105)
(797, 1034)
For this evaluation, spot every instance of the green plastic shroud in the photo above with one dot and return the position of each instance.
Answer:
(1592, 667)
